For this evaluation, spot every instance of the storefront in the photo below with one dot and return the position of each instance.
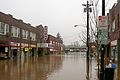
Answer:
(28, 49)
(4, 49)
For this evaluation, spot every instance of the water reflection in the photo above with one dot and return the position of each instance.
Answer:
(73, 68)
(30, 68)
(52, 67)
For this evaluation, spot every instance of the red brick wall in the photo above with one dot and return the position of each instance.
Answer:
(113, 15)
(9, 19)
(56, 43)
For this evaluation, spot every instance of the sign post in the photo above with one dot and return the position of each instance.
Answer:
(102, 41)
(103, 30)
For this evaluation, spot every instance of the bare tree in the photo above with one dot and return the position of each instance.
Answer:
(93, 24)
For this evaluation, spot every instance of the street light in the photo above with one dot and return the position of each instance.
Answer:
(75, 25)
(82, 25)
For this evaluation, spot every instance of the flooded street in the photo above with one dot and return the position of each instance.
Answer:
(51, 67)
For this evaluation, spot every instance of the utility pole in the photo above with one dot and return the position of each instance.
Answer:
(87, 9)
(103, 7)
(102, 50)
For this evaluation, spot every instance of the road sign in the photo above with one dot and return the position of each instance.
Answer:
(102, 36)
(103, 30)
(103, 22)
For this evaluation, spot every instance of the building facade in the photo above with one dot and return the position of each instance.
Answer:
(114, 34)
(18, 38)
(55, 45)
(113, 30)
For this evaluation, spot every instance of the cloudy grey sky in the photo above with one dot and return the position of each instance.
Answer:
(59, 15)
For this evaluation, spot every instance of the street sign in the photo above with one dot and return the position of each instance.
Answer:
(102, 36)
(103, 30)
(103, 22)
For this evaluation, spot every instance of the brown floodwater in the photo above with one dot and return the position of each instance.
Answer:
(51, 67)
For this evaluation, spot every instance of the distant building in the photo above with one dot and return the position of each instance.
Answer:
(55, 45)
(40, 39)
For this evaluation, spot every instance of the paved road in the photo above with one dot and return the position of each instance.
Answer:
(70, 66)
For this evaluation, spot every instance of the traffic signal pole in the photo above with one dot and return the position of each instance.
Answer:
(103, 7)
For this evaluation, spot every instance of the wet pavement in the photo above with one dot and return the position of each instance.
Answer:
(70, 66)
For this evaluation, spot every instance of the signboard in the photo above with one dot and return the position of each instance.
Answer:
(26, 49)
(45, 33)
(103, 22)
(102, 36)
(13, 43)
(24, 45)
(103, 30)
(42, 45)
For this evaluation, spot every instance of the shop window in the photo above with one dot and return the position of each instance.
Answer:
(118, 20)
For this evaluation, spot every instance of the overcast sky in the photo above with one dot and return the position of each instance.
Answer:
(59, 15)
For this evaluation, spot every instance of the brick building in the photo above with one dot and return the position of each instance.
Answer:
(114, 27)
(18, 38)
(113, 30)
(55, 44)
(114, 34)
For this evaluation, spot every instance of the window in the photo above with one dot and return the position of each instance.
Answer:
(113, 26)
(4, 28)
(33, 36)
(58, 44)
(50, 42)
(53, 42)
(15, 31)
(118, 20)
(25, 34)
